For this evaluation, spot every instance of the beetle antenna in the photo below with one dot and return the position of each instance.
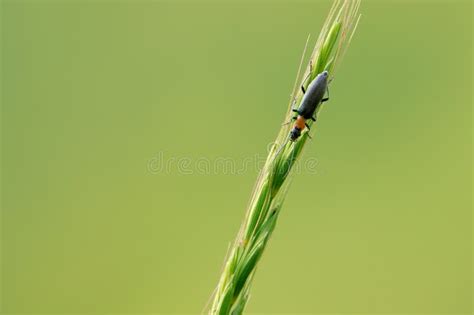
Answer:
(281, 148)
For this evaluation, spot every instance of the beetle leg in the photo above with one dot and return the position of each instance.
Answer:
(294, 110)
(307, 126)
(313, 118)
(287, 123)
(307, 76)
(327, 98)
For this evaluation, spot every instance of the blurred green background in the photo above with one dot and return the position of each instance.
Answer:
(96, 94)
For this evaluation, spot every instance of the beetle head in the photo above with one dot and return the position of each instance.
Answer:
(295, 133)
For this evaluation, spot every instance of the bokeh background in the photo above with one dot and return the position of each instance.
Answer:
(96, 93)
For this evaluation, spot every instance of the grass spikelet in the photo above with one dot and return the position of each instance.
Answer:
(233, 289)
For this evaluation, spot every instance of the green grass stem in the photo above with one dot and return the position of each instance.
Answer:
(233, 289)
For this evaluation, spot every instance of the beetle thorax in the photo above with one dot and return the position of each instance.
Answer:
(300, 122)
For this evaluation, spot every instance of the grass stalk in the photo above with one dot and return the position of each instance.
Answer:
(232, 292)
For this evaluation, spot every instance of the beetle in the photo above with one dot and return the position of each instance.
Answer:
(313, 97)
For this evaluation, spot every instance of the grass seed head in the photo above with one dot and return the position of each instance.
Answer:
(233, 289)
